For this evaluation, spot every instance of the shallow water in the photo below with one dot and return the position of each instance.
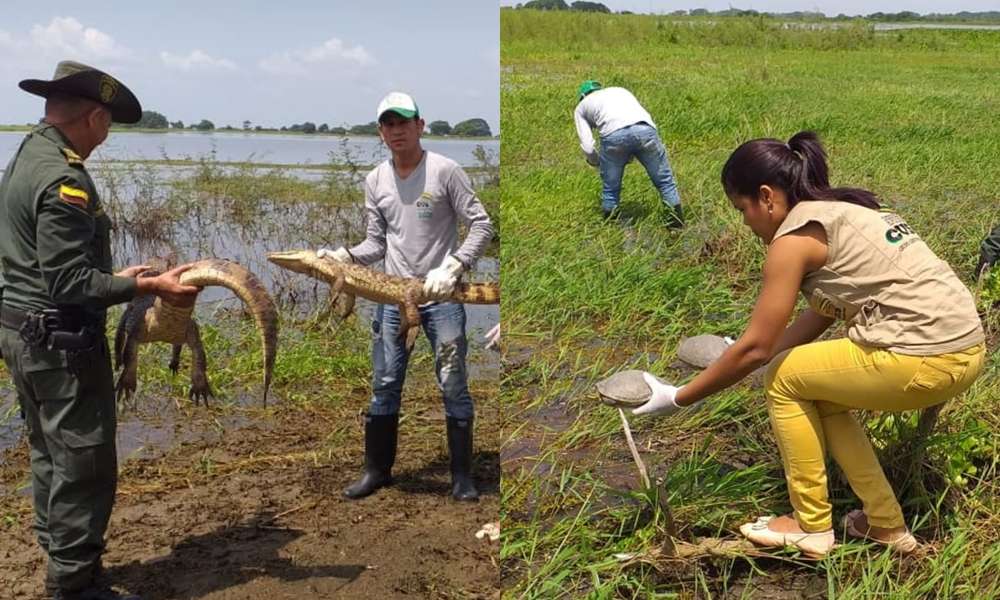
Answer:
(258, 148)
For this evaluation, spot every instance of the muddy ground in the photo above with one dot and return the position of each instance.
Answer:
(250, 506)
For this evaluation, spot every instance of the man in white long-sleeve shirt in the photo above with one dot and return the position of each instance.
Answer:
(626, 131)
(413, 205)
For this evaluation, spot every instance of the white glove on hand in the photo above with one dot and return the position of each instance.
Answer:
(340, 254)
(492, 338)
(440, 282)
(662, 401)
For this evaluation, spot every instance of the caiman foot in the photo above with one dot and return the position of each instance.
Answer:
(125, 388)
(200, 391)
(175, 360)
(411, 336)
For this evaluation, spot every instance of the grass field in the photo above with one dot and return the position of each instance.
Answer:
(909, 115)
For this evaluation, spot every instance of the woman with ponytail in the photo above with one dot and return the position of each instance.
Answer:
(914, 338)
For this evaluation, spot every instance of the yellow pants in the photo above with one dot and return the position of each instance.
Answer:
(811, 390)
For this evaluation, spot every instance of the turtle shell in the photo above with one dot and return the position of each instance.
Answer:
(625, 389)
(701, 350)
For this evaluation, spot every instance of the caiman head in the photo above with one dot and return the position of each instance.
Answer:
(253, 294)
(300, 261)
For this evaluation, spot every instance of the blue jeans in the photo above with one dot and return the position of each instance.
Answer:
(444, 325)
(643, 142)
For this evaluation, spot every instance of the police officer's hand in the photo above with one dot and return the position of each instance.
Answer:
(133, 271)
(169, 287)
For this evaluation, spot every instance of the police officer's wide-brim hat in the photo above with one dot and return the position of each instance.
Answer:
(76, 79)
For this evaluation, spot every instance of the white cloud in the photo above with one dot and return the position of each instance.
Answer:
(333, 53)
(196, 60)
(65, 36)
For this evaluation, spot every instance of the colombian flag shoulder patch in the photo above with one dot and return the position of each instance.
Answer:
(74, 196)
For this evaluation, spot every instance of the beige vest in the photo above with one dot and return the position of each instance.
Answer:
(885, 282)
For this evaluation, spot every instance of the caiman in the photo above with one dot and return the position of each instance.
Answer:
(150, 319)
(355, 280)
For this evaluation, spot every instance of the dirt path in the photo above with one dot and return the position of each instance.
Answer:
(257, 512)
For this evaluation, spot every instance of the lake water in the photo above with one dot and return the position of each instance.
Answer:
(260, 148)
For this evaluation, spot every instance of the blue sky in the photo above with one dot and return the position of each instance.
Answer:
(828, 7)
(273, 63)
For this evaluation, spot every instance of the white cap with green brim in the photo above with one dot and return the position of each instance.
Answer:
(399, 103)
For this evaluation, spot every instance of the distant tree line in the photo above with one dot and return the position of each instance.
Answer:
(561, 5)
(906, 15)
(468, 128)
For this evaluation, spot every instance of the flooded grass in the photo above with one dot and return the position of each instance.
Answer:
(901, 115)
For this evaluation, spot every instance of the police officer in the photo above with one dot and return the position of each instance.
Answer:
(55, 254)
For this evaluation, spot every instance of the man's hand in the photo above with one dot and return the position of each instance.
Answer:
(440, 282)
(168, 287)
(492, 338)
(340, 254)
(592, 159)
(663, 401)
(983, 266)
(133, 271)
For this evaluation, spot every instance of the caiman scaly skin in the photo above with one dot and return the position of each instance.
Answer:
(150, 319)
(356, 280)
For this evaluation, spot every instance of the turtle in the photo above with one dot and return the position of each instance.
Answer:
(625, 389)
(701, 350)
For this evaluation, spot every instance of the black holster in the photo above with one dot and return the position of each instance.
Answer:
(56, 329)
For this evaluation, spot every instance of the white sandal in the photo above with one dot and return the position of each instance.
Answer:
(814, 545)
(904, 543)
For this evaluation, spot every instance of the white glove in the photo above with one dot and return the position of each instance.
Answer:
(492, 338)
(663, 401)
(340, 254)
(440, 282)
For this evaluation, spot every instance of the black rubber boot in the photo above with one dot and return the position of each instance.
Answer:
(460, 446)
(675, 217)
(380, 454)
(93, 593)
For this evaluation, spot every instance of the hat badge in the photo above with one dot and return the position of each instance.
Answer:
(109, 89)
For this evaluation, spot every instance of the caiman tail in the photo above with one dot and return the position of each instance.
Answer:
(251, 291)
(477, 293)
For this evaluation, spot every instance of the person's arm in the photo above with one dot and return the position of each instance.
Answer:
(64, 231)
(808, 326)
(471, 213)
(789, 259)
(372, 248)
(585, 134)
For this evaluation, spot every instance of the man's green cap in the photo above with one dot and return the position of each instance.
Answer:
(76, 79)
(399, 103)
(588, 86)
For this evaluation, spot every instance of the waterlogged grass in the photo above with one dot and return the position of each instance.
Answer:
(905, 114)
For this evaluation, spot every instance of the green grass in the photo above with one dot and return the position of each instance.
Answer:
(905, 114)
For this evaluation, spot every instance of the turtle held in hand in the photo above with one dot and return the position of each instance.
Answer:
(625, 389)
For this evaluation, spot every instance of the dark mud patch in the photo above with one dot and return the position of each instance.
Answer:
(257, 512)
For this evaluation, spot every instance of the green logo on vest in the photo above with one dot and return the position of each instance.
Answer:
(896, 233)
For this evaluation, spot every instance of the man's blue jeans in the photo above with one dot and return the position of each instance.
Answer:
(444, 325)
(643, 142)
